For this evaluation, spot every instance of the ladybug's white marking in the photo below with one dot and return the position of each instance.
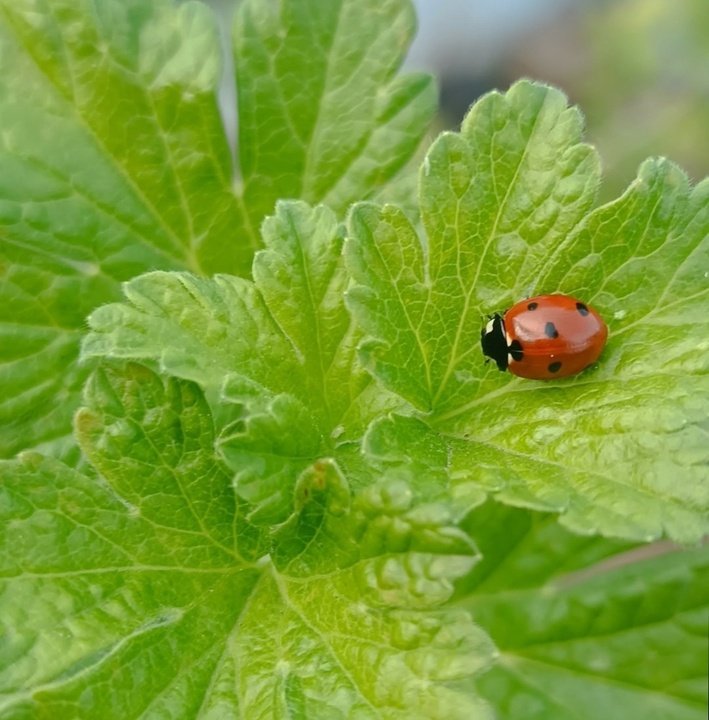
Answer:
(510, 359)
(508, 338)
(488, 327)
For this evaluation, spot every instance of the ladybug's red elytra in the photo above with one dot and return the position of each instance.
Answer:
(545, 337)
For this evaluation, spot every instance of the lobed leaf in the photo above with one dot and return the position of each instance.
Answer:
(145, 591)
(124, 580)
(278, 352)
(115, 160)
(299, 64)
(153, 440)
(495, 201)
(505, 207)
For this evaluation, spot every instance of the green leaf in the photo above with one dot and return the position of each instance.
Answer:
(285, 333)
(153, 439)
(280, 350)
(324, 653)
(115, 160)
(145, 591)
(586, 627)
(351, 566)
(272, 441)
(505, 205)
(496, 200)
(301, 277)
(221, 334)
(319, 99)
(134, 580)
(196, 328)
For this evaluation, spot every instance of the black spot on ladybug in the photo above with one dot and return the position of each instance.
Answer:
(515, 349)
(550, 330)
(582, 309)
(554, 367)
(532, 306)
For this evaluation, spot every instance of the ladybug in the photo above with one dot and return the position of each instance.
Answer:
(545, 337)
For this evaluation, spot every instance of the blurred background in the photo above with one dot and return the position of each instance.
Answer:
(639, 69)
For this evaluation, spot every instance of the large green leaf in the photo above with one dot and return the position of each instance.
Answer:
(146, 593)
(588, 628)
(114, 158)
(496, 201)
(285, 332)
(281, 351)
(506, 208)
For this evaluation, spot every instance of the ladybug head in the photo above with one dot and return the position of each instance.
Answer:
(494, 343)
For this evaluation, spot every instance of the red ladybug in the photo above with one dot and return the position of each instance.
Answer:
(545, 337)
